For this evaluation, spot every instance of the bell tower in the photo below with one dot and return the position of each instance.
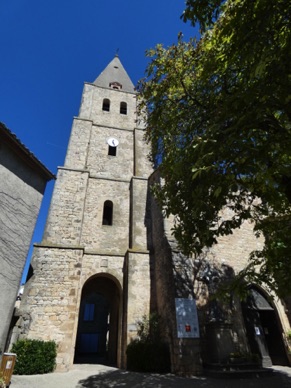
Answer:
(91, 278)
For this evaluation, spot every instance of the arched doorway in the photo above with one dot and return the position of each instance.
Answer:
(97, 334)
(263, 327)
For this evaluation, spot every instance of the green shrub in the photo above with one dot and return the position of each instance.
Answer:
(148, 353)
(34, 356)
(148, 357)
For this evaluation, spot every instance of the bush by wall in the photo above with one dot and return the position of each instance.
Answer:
(148, 353)
(34, 356)
(148, 357)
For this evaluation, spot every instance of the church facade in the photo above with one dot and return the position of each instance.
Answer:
(107, 258)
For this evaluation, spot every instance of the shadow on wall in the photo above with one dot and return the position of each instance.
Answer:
(126, 379)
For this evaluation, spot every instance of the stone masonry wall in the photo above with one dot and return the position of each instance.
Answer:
(234, 249)
(91, 107)
(138, 214)
(106, 238)
(230, 252)
(103, 165)
(138, 290)
(76, 157)
(66, 211)
(51, 299)
(143, 167)
(171, 274)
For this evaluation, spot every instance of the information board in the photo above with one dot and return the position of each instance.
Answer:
(187, 318)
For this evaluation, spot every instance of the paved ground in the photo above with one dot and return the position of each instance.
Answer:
(99, 376)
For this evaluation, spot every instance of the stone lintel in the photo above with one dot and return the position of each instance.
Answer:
(55, 246)
(143, 252)
(139, 178)
(72, 169)
(96, 253)
(82, 119)
(108, 179)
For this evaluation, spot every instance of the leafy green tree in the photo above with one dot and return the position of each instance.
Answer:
(219, 122)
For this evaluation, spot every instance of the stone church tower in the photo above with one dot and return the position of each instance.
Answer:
(91, 278)
(108, 258)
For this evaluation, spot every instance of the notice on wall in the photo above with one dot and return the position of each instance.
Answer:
(187, 318)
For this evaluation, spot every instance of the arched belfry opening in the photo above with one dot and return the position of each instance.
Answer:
(106, 105)
(263, 327)
(98, 324)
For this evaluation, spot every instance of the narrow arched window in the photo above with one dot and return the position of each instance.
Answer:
(123, 108)
(107, 213)
(106, 105)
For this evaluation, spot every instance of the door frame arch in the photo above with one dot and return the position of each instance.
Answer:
(265, 330)
(109, 286)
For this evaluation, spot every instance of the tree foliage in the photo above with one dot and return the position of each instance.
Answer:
(219, 122)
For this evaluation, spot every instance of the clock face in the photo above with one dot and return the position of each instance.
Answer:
(112, 142)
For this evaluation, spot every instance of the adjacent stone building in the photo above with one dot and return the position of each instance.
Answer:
(22, 183)
(107, 257)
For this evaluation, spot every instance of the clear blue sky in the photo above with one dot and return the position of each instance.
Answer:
(50, 48)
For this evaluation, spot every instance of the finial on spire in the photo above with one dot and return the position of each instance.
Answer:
(116, 54)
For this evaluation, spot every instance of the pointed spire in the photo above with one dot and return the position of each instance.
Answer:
(115, 73)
